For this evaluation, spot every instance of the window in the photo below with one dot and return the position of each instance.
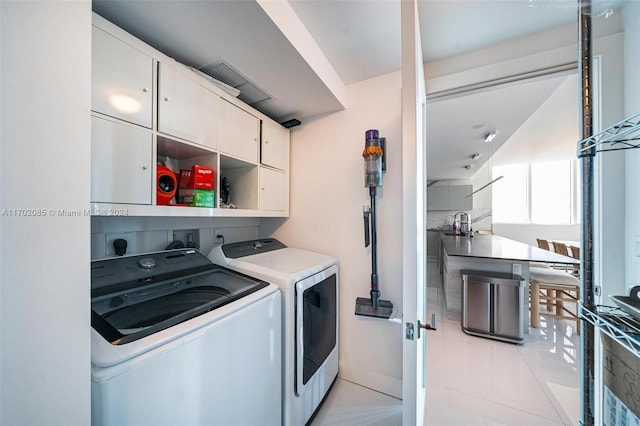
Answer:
(510, 195)
(541, 193)
(551, 193)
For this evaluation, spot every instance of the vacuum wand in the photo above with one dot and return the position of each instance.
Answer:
(373, 153)
(375, 291)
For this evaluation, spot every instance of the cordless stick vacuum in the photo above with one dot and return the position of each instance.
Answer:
(373, 167)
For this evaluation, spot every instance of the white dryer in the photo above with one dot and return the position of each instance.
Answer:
(310, 284)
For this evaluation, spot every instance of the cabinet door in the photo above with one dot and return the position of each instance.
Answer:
(238, 132)
(274, 190)
(121, 161)
(275, 145)
(438, 198)
(121, 79)
(186, 109)
(458, 197)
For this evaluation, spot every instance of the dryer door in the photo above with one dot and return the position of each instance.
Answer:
(316, 324)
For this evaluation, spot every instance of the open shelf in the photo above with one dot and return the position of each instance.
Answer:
(617, 324)
(243, 181)
(623, 135)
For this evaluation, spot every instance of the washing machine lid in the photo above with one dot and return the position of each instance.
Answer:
(159, 291)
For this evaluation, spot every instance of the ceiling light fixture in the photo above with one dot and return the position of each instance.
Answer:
(468, 166)
(475, 156)
(489, 136)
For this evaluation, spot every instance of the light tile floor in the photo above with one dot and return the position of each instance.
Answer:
(477, 381)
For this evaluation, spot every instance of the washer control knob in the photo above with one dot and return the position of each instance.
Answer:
(146, 263)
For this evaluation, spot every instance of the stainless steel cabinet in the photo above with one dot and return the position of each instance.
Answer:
(493, 305)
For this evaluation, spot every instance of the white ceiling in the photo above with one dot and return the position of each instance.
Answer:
(333, 43)
(457, 126)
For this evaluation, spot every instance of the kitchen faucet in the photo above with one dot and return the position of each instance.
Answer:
(462, 224)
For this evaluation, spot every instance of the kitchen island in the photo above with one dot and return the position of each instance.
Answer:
(489, 253)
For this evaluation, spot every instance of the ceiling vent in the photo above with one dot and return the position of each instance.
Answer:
(249, 92)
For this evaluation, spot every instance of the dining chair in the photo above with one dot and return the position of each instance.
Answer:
(561, 248)
(543, 244)
(557, 291)
(575, 253)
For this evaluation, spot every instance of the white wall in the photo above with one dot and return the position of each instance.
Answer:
(632, 107)
(148, 234)
(327, 195)
(44, 279)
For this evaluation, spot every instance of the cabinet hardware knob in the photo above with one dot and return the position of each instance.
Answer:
(266, 141)
(145, 90)
(144, 167)
(166, 98)
(262, 189)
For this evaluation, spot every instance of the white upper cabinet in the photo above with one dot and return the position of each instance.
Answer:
(438, 198)
(275, 145)
(121, 80)
(121, 163)
(186, 109)
(238, 132)
(453, 197)
(458, 199)
(147, 107)
(274, 190)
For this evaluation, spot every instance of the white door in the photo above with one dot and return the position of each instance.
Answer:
(413, 218)
(121, 79)
(238, 132)
(186, 109)
(274, 190)
(121, 163)
(275, 145)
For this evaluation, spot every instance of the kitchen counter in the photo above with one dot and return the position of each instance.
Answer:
(496, 247)
(489, 253)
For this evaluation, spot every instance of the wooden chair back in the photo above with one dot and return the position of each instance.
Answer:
(575, 252)
(560, 248)
(543, 244)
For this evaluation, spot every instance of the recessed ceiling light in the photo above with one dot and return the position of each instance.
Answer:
(489, 136)
(468, 166)
(475, 156)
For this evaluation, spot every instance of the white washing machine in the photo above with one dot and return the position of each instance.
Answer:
(178, 340)
(309, 283)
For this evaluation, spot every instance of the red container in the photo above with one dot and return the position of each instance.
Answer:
(198, 177)
(166, 185)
